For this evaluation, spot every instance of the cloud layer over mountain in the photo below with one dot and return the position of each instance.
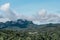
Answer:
(44, 17)
(40, 18)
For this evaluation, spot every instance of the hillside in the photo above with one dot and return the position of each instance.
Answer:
(26, 30)
(21, 24)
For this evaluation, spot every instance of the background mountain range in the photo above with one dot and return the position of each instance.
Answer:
(21, 24)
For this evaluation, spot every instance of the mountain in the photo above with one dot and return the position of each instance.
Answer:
(21, 24)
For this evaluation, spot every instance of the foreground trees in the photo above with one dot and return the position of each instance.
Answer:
(28, 35)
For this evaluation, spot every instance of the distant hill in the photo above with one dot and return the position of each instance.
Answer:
(25, 24)
(19, 23)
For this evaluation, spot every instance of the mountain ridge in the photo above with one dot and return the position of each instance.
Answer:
(25, 24)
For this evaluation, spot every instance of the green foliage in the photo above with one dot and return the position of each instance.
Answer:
(29, 35)
(33, 32)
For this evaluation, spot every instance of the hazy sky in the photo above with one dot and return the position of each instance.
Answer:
(38, 11)
(28, 7)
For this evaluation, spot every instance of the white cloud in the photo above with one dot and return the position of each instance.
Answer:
(10, 14)
(44, 17)
(42, 12)
(41, 17)
(4, 19)
(5, 7)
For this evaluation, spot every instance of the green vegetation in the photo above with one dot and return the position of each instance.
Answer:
(39, 33)
(26, 30)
